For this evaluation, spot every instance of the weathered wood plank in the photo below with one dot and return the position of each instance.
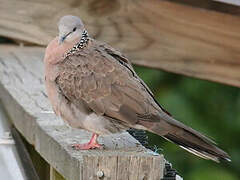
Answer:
(23, 95)
(159, 34)
(26, 160)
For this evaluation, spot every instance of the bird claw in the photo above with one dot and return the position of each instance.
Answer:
(87, 146)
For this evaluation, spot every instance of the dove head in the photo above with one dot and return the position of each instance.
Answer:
(70, 28)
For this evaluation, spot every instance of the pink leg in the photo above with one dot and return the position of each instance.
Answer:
(92, 144)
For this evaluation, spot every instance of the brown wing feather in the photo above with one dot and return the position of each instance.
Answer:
(107, 83)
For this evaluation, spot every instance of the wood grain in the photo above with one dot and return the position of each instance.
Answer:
(172, 37)
(23, 95)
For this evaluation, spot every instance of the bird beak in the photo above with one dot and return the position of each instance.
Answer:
(61, 39)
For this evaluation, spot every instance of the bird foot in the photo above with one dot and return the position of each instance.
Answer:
(87, 146)
(92, 144)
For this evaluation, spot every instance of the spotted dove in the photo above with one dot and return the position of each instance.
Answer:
(94, 87)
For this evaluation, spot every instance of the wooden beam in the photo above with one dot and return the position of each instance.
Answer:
(25, 158)
(22, 93)
(212, 5)
(234, 2)
(54, 175)
(153, 33)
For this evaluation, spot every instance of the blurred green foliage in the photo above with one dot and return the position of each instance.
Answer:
(208, 107)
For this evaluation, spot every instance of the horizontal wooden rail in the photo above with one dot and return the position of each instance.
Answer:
(23, 96)
(159, 34)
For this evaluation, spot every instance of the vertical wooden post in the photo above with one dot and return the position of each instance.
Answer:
(54, 175)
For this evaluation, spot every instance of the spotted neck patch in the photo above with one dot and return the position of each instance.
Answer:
(80, 45)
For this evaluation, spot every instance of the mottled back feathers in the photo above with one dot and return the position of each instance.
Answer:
(105, 80)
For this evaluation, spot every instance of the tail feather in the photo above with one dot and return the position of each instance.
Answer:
(198, 148)
(188, 139)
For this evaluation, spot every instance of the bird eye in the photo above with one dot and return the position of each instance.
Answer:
(74, 29)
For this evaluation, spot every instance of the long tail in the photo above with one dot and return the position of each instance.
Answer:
(198, 146)
(188, 139)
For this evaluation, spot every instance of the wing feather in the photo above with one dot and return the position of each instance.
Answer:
(105, 80)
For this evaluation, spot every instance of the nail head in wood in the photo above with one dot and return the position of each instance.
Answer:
(100, 174)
